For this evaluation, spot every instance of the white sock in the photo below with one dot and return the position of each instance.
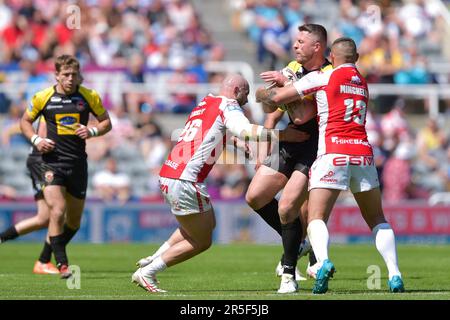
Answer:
(161, 250)
(156, 266)
(319, 238)
(385, 243)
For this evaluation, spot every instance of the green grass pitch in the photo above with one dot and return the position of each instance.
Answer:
(224, 272)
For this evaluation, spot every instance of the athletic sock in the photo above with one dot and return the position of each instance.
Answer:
(385, 243)
(9, 234)
(270, 215)
(59, 249)
(312, 258)
(156, 266)
(291, 235)
(161, 250)
(319, 237)
(46, 254)
(68, 233)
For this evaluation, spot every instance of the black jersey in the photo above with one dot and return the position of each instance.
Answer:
(63, 114)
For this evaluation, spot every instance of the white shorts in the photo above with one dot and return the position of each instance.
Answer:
(340, 171)
(185, 197)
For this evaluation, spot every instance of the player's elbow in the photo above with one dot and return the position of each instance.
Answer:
(277, 99)
(108, 126)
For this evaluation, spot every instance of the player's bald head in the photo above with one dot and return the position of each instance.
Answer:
(344, 50)
(234, 80)
(235, 86)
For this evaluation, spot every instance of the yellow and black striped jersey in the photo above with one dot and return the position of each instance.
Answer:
(63, 114)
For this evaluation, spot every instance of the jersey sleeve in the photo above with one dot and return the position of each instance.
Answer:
(234, 118)
(94, 100)
(312, 82)
(38, 102)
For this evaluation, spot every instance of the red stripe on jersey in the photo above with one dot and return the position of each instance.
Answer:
(313, 90)
(199, 197)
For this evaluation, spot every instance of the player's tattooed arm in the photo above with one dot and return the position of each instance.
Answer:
(265, 96)
(276, 96)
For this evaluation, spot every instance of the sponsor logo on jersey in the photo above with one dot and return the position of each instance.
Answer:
(66, 123)
(197, 112)
(80, 105)
(67, 101)
(171, 164)
(54, 106)
(338, 140)
(328, 178)
(55, 99)
(355, 80)
(67, 120)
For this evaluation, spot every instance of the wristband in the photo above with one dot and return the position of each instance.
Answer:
(35, 139)
(93, 132)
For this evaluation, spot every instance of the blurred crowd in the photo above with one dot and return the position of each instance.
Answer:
(163, 42)
(394, 38)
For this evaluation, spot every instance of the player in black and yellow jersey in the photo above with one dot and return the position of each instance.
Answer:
(66, 108)
(288, 168)
(39, 221)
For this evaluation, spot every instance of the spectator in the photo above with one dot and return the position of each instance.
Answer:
(395, 127)
(110, 185)
(182, 101)
(12, 135)
(5, 102)
(397, 174)
(275, 43)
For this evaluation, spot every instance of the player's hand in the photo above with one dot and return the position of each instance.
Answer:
(293, 135)
(275, 78)
(46, 145)
(82, 131)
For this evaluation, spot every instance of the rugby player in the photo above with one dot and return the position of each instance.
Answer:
(65, 107)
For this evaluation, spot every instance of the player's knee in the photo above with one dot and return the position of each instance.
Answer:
(287, 211)
(42, 222)
(57, 213)
(253, 200)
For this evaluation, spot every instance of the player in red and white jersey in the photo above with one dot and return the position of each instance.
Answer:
(182, 176)
(345, 158)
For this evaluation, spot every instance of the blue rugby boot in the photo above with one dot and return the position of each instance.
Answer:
(323, 275)
(396, 285)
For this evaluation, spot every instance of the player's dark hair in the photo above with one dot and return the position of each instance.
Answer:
(66, 60)
(316, 29)
(349, 51)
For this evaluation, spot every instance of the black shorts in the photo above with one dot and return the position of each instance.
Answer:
(34, 166)
(298, 156)
(72, 176)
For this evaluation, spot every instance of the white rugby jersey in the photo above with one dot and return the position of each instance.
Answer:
(203, 138)
(342, 97)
